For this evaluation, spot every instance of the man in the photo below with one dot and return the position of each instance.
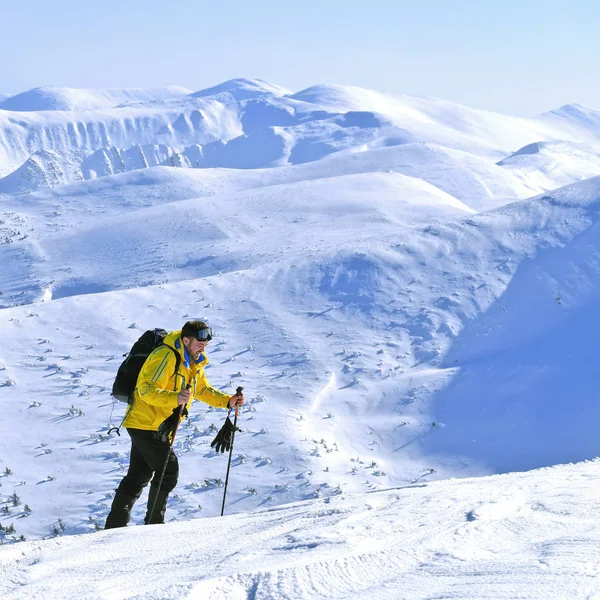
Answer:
(164, 384)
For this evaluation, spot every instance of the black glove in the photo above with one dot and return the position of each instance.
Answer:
(224, 438)
(167, 428)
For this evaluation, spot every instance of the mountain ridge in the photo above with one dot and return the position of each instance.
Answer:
(270, 127)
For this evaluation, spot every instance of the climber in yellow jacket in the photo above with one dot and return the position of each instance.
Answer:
(164, 383)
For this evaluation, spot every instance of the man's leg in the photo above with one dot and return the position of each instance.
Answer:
(148, 455)
(157, 498)
(130, 488)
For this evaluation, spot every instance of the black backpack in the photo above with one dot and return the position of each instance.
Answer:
(130, 368)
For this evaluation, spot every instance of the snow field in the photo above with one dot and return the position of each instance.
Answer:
(398, 303)
(528, 535)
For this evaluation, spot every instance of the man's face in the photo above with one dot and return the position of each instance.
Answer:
(194, 347)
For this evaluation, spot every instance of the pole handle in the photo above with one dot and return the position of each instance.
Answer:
(238, 392)
(187, 387)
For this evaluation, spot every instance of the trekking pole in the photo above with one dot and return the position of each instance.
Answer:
(237, 393)
(164, 469)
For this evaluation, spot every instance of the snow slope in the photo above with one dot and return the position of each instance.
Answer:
(531, 536)
(43, 169)
(398, 311)
(250, 124)
(370, 341)
(472, 180)
(198, 120)
(549, 165)
(73, 99)
(243, 89)
(573, 117)
(450, 124)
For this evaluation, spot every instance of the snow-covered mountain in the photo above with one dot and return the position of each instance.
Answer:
(243, 89)
(553, 164)
(402, 286)
(247, 124)
(72, 99)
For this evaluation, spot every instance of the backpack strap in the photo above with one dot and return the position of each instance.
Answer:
(177, 365)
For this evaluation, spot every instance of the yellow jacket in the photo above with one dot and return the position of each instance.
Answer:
(157, 388)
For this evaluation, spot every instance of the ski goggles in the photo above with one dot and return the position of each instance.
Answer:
(204, 335)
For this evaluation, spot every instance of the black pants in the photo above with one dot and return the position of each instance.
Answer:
(147, 460)
(148, 455)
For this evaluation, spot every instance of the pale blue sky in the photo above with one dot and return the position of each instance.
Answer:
(519, 57)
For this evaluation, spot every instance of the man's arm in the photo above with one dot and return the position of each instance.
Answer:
(154, 379)
(208, 394)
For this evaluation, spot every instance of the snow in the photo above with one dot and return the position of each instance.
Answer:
(575, 115)
(250, 124)
(408, 296)
(549, 165)
(56, 98)
(509, 536)
(243, 89)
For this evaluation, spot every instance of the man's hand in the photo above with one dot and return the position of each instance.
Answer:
(236, 400)
(184, 396)
(166, 430)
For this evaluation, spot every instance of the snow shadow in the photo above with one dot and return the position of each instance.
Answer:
(79, 287)
(525, 395)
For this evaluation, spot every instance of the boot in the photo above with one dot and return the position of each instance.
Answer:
(120, 510)
(161, 506)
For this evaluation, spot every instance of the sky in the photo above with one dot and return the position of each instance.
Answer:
(518, 57)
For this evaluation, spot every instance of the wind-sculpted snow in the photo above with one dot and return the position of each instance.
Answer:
(71, 99)
(475, 181)
(243, 89)
(92, 130)
(531, 536)
(549, 165)
(250, 124)
(120, 253)
(575, 116)
(43, 169)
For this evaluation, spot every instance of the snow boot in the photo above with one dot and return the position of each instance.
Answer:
(120, 510)
(158, 517)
